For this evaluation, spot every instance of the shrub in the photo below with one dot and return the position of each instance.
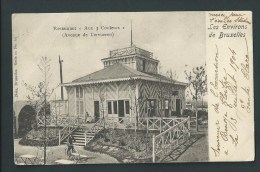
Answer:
(202, 115)
(31, 142)
(188, 112)
(35, 137)
(121, 143)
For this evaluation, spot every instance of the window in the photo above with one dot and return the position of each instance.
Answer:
(109, 108)
(79, 101)
(79, 92)
(127, 107)
(115, 107)
(166, 103)
(112, 107)
(151, 107)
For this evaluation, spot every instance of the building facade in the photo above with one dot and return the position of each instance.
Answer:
(128, 86)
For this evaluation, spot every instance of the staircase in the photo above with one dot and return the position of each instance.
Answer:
(79, 136)
(83, 135)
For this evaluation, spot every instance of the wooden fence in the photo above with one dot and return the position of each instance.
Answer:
(61, 120)
(151, 123)
(165, 142)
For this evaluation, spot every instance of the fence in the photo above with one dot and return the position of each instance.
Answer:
(165, 142)
(149, 123)
(61, 120)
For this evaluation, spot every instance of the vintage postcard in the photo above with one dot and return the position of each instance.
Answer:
(132, 87)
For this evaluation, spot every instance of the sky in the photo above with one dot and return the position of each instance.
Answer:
(177, 40)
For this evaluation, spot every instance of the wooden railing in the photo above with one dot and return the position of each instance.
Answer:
(61, 120)
(130, 51)
(120, 122)
(98, 126)
(155, 123)
(165, 142)
(149, 123)
(66, 131)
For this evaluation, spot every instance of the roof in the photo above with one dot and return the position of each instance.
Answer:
(119, 72)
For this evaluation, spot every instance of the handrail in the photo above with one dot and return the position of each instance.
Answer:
(66, 131)
(98, 126)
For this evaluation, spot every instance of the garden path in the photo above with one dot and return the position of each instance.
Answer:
(58, 152)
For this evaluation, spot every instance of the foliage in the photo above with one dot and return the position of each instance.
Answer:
(39, 143)
(172, 74)
(36, 137)
(188, 112)
(37, 94)
(137, 144)
(197, 82)
(38, 97)
(202, 115)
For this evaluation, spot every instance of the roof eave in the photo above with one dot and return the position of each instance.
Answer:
(123, 79)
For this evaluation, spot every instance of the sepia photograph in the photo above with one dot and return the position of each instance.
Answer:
(99, 88)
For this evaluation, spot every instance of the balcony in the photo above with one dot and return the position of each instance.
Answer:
(130, 51)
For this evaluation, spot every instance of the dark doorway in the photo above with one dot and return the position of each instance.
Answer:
(178, 107)
(151, 107)
(96, 110)
(26, 120)
(121, 109)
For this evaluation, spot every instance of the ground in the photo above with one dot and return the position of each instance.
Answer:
(58, 152)
(196, 152)
(194, 149)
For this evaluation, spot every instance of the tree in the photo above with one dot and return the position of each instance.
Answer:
(197, 84)
(172, 74)
(38, 96)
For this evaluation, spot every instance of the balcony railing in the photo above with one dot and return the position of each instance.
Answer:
(130, 51)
